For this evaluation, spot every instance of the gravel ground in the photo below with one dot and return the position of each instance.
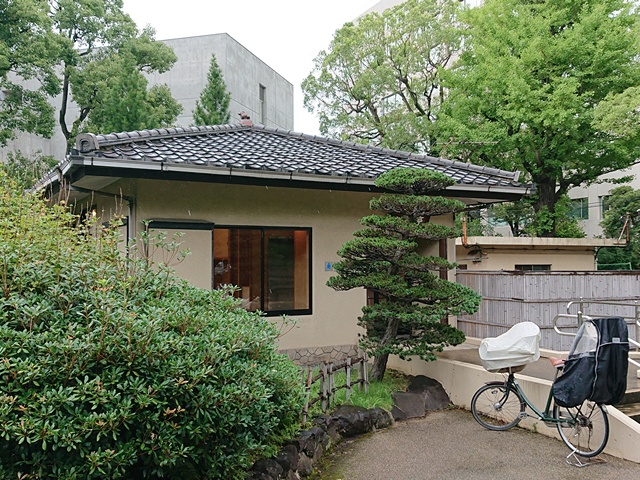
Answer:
(451, 445)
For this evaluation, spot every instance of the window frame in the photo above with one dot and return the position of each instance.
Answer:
(532, 267)
(579, 208)
(262, 229)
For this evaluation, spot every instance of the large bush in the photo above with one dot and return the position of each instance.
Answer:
(112, 369)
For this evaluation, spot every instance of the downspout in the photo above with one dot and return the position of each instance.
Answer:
(465, 242)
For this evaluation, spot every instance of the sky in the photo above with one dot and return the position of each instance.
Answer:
(285, 34)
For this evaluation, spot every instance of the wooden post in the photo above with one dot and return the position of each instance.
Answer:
(348, 369)
(305, 410)
(365, 367)
(332, 385)
(324, 388)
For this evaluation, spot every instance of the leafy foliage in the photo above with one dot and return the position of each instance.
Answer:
(112, 368)
(212, 108)
(101, 43)
(379, 80)
(524, 222)
(386, 258)
(26, 171)
(121, 101)
(541, 87)
(623, 207)
(28, 49)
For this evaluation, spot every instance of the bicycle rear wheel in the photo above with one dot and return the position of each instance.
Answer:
(584, 429)
(497, 406)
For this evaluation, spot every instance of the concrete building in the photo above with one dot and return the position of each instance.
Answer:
(530, 254)
(255, 88)
(590, 202)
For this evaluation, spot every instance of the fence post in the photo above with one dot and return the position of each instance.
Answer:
(305, 409)
(364, 371)
(348, 368)
(324, 387)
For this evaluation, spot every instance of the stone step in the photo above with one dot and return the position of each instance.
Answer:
(631, 396)
(632, 410)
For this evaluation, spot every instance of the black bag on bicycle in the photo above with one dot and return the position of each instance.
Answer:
(597, 365)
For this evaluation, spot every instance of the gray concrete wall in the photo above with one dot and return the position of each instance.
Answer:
(243, 74)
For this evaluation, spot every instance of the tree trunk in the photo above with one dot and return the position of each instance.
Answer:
(380, 361)
(546, 203)
(379, 367)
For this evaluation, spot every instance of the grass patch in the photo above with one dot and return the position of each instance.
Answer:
(379, 394)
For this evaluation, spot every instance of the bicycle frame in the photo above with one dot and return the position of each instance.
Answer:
(546, 415)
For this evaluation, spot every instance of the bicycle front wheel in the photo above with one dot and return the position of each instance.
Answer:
(584, 429)
(497, 406)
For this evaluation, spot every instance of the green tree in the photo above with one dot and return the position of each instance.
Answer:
(212, 108)
(122, 100)
(532, 88)
(622, 220)
(385, 257)
(92, 33)
(379, 81)
(28, 51)
(523, 221)
(26, 171)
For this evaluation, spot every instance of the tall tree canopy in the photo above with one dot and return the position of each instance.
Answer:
(96, 33)
(379, 81)
(212, 108)
(28, 50)
(93, 45)
(120, 99)
(533, 91)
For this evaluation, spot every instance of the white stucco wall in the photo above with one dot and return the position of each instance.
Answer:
(332, 216)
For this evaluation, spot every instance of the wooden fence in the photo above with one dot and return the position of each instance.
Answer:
(327, 381)
(509, 297)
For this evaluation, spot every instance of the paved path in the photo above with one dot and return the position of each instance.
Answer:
(450, 445)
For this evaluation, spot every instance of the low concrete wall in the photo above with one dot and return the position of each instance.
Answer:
(461, 380)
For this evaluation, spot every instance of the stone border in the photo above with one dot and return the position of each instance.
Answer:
(299, 456)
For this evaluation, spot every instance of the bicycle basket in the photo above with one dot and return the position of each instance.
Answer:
(516, 347)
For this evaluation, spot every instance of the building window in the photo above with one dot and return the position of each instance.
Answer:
(604, 204)
(533, 268)
(270, 266)
(580, 208)
(263, 104)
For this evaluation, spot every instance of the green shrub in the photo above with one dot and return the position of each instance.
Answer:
(112, 369)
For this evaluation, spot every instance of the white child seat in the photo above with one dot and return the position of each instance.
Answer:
(516, 347)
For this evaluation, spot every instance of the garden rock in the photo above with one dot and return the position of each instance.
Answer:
(300, 455)
(424, 394)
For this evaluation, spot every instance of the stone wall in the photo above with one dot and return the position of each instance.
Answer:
(317, 355)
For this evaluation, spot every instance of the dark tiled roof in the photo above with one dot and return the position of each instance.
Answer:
(260, 148)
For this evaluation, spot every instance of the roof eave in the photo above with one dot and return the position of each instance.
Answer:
(75, 163)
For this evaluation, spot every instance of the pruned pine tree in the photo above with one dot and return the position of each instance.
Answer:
(212, 108)
(387, 258)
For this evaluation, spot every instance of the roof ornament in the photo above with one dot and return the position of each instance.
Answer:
(245, 119)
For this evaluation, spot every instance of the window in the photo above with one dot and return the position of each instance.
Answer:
(604, 204)
(580, 208)
(533, 268)
(263, 104)
(493, 220)
(270, 266)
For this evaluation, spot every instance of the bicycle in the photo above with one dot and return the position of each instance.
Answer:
(501, 405)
